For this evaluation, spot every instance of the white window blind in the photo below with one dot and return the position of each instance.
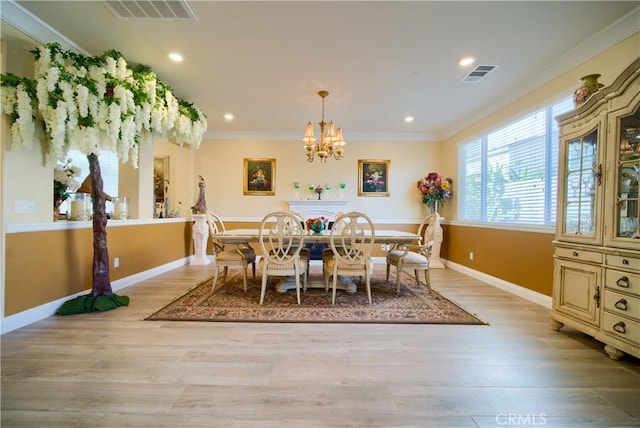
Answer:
(108, 167)
(510, 175)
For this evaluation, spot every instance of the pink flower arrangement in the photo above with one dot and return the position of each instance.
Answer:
(434, 188)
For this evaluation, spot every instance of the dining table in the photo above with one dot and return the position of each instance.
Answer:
(381, 236)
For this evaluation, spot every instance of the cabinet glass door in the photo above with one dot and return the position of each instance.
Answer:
(628, 169)
(583, 174)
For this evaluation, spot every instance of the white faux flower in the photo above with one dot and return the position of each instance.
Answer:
(25, 118)
(110, 66)
(9, 99)
(82, 97)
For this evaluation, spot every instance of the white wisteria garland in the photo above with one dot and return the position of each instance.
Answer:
(96, 102)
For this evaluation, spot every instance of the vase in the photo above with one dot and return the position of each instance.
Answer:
(56, 210)
(316, 228)
(430, 208)
(588, 86)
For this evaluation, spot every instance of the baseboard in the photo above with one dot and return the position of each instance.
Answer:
(46, 310)
(525, 293)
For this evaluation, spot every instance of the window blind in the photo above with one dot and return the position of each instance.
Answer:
(510, 174)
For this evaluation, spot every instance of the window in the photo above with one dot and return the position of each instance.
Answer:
(108, 167)
(510, 175)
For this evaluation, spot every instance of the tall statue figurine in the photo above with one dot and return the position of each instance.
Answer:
(201, 205)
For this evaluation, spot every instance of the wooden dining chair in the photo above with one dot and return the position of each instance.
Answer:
(229, 255)
(351, 241)
(414, 256)
(281, 240)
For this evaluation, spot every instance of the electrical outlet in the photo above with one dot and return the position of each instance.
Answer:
(24, 207)
(116, 262)
(471, 256)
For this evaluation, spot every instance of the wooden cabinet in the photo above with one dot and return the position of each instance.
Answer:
(596, 284)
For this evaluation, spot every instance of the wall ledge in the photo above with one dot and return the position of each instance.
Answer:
(70, 225)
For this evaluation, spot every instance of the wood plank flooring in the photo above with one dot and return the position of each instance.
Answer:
(115, 370)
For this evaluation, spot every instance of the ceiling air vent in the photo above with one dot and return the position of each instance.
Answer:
(478, 73)
(151, 9)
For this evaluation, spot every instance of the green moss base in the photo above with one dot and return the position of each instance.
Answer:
(90, 303)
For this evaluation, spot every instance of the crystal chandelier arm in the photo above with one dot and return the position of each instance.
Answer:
(331, 142)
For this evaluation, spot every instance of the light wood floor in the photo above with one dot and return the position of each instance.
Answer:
(114, 370)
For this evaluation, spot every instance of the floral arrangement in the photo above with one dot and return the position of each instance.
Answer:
(95, 101)
(434, 188)
(259, 178)
(374, 178)
(64, 181)
(317, 224)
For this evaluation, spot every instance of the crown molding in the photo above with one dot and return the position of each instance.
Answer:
(38, 30)
(620, 30)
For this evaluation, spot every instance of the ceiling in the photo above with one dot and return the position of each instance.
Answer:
(265, 61)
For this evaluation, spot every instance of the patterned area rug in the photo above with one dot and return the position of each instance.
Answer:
(229, 302)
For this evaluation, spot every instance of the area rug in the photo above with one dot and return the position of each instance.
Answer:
(413, 305)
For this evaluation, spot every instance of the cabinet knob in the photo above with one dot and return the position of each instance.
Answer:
(625, 262)
(575, 254)
(620, 327)
(623, 282)
(622, 305)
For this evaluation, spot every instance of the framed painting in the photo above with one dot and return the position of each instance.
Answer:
(160, 183)
(259, 177)
(373, 177)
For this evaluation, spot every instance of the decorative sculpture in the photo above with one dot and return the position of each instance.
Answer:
(201, 205)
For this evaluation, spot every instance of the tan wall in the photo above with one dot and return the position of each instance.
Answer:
(45, 266)
(521, 258)
(221, 164)
(609, 64)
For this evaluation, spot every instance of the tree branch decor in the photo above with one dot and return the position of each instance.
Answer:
(93, 103)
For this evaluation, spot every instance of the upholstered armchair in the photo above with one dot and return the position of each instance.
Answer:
(414, 256)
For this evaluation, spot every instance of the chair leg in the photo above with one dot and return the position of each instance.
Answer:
(215, 277)
(298, 285)
(335, 283)
(426, 279)
(264, 286)
(254, 271)
(415, 273)
(224, 275)
(388, 269)
(367, 279)
(398, 275)
(325, 278)
(244, 278)
(305, 279)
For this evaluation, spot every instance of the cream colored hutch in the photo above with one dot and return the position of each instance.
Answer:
(596, 284)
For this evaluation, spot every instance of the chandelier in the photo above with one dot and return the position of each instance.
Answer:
(331, 143)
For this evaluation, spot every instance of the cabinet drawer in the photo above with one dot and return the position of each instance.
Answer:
(622, 327)
(622, 281)
(622, 304)
(623, 262)
(581, 255)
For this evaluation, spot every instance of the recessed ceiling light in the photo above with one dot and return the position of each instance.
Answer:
(228, 117)
(468, 60)
(408, 119)
(175, 57)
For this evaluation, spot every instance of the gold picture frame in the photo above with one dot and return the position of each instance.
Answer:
(259, 177)
(373, 177)
(161, 185)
